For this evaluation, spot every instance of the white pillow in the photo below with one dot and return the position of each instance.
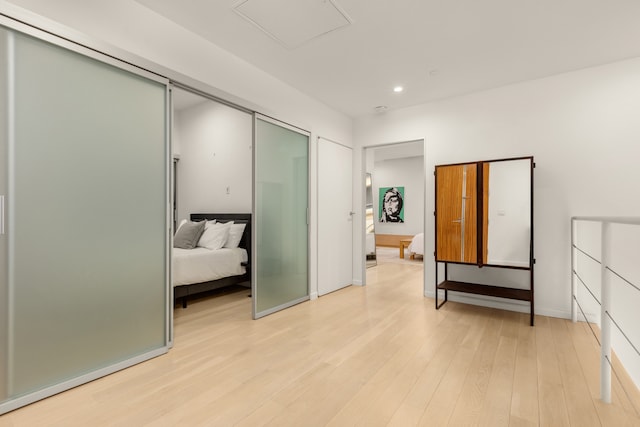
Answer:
(235, 235)
(215, 235)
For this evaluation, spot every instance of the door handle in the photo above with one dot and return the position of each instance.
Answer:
(457, 220)
(352, 213)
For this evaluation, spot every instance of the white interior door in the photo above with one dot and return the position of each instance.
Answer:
(335, 221)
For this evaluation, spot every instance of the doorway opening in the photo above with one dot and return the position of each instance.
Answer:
(212, 175)
(394, 209)
(245, 177)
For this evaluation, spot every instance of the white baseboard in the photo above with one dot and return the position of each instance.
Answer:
(356, 282)
(499, 303)
(314, 295)
(590, 317)
(553, 313)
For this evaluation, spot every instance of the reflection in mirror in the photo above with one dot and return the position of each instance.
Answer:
(507, 212)
(369, 222)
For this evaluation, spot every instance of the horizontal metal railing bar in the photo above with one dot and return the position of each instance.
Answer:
(634, 220)
(622, 332)
(593, 258)
(587, 321)
(628, 282)
(585, 285)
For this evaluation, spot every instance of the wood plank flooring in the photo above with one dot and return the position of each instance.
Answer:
(379, 355)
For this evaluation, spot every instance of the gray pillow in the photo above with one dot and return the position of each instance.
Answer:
(188, 235)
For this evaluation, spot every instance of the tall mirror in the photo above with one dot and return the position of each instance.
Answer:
(507, 212)
(369, 222)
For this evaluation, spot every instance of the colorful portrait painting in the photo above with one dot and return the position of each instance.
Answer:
(391, 204)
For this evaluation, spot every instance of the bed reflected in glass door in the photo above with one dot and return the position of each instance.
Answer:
(370, 231)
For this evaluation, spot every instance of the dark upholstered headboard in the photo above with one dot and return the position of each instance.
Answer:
(237, 218)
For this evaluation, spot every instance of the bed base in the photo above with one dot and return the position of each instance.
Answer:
(184, 292)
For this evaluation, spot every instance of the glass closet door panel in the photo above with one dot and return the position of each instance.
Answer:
(87, 215)
(281, 201)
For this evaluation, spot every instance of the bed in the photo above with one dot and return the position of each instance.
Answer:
(417, 245)
(201, 270)
(371, 246)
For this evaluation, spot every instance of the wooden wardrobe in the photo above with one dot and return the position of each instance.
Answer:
(484, 217)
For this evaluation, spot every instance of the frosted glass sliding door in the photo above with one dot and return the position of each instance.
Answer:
(280, 271)
(84, 233)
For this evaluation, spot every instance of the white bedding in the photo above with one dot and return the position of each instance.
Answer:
(202, 265)
(371, 243)
(417, 244)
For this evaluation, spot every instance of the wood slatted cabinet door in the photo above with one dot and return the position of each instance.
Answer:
(456, 231)
(449, 212)
(470, 220)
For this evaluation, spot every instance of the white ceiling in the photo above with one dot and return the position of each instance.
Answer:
(434, 48)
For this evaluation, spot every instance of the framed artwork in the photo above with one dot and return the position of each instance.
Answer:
(391, 204)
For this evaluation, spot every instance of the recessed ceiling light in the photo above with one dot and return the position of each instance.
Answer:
(398, 89)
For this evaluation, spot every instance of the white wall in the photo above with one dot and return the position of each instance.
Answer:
(130, 31)
(583, 129)
(214, 170)
(406, 172)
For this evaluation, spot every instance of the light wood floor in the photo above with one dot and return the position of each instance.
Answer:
(375, 356)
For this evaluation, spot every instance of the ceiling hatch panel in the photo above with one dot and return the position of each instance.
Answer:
(293, 22)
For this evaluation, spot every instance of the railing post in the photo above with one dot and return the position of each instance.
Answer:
(574, 283)
(605, 321)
